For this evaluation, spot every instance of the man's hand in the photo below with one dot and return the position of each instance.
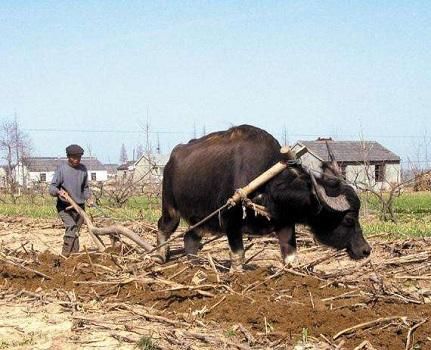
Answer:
(63, 195)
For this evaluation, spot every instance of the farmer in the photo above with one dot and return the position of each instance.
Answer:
(71, 178)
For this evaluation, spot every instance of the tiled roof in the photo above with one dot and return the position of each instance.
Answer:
(157, 159)
(127, 165)
(41, 164)
(351, 151)
(111, 168)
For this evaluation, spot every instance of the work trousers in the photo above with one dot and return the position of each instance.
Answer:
(72, 222)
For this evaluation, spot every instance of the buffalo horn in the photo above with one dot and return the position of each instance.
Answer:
(338, 203)
(334, 165)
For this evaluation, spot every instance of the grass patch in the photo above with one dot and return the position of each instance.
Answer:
(35, 207)
(146, 343)
(406, 225)
(413, 211)
(137, 208)
(413, 215)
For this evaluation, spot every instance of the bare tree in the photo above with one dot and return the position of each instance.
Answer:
(89, 150)
(123, 154)
(139, 151)
(117, 192)
(158, 148)
(15, 147)
(372, 178)
(148, 147)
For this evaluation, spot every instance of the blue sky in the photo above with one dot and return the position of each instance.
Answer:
(94, 72)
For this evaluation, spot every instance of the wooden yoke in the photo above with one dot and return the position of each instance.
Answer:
(276, 169)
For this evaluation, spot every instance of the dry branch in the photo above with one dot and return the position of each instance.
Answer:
(121, 230)
(410, 333)
(369, 325)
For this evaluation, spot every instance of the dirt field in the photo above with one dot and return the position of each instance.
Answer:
(120, 300)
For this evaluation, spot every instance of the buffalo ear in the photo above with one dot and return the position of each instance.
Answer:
(337, 203)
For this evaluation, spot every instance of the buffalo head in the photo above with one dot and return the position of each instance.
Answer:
(337, 221)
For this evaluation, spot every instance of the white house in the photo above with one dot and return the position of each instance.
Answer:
(126, 170)
(361, 162)
(111, 169)
(42, 169)
(149, 168)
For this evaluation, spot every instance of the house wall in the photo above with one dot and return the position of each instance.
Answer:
(358, 173)
(366, 174)
(311, 161)
(35, 176)
(392, 174)
(101, 175)
(147, 172)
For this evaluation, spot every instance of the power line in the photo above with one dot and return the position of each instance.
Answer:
(124, 131)
(102, 131)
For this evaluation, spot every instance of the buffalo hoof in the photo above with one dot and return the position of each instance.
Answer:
(291, 260)
(194, 260)
(158, 259)
(237, 261)
(236, 269)
(162, 255)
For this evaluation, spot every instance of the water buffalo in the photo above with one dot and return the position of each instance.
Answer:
(201, 175)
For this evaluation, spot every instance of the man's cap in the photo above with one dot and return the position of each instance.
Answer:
(74, 150)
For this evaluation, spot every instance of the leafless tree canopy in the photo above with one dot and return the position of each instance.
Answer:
(15, 148)
(139, 151)
(366, 180)
(123, 154)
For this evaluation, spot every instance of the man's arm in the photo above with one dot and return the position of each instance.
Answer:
(56, 182)
(87, 191)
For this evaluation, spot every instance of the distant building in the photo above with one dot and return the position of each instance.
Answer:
(111, 170)
(149, 168)
(42, 169)
(126, 170)
(361, 162)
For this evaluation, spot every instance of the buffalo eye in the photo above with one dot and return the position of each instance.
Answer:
(348, 221)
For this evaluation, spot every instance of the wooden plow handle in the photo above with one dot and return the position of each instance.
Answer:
(83, 214)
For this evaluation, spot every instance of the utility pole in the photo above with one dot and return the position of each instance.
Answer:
(285, 136)
(158, 144)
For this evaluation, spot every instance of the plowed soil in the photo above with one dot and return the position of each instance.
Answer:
(116, 299)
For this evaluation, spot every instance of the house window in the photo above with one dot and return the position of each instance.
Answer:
(93, 176)
(42, 177)
(379, 172)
